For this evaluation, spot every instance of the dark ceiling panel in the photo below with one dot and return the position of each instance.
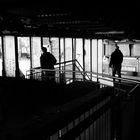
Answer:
(69, 18)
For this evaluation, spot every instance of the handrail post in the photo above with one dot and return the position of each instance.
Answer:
(73, 73)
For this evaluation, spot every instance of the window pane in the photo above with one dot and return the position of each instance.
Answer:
(36, 51)
(62, 50)
(136, 50)
(46, 44)
(9, 56)
(94, 57)
(79, 57)
(87, 55)
(55, 47)
(24, 54)
(0, 57)
(124, 49)
(100, 55)
(68, 49)
(79, 51)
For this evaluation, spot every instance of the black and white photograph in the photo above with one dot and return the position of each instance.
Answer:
(69, 70)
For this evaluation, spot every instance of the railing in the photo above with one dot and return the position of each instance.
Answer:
(65, 72)
(91, 117)
(95, 116)
(69, 71)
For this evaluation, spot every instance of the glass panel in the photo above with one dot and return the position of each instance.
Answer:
(46, 44)
(94, 57)
(62, 55)
(79, 51)
(79, 57)
(55, 47)
(9, 56)
(109, 48)
(23, 54)
(68, 56)
(62, 50)
(87, 55)
(36, 51)
(68, 48)
(124, 49)
(136, 50)
(1, 57)
(100, 55)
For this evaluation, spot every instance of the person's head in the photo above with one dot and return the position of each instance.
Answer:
(44, 49)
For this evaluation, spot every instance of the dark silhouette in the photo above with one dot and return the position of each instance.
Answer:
(116, 62)
(47, 61)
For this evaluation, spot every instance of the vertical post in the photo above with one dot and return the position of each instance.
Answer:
(3, 62)
(91, 58)
(59, 73)
(84, 58)
(138, 64)
(73, 57)
(97, 60)
(31, 55)
(16, 57)
(64, 57)
(41, 41)
(102, 55)
(59, 53)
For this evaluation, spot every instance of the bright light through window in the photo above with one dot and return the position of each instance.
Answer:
(23, 55)
(0, 57)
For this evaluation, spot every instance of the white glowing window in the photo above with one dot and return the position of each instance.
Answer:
(23, 54)
(36, 51)
(94, 58)
(9, 56)
(100, 55)
(87, 55)
(62, 53)
(79, 56)
(46, 44)
(94, 55)
(54, 42)
(79, 51)
(68, 49)
(0, 57)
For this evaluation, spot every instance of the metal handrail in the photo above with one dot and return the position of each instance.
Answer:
(133, 89)
(99, 76)
(103, 76)
(75, 60)
(82, 69)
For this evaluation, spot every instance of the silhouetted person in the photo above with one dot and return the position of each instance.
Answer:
(47, 61)
(116, 62)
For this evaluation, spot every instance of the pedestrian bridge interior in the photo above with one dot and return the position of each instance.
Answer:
(82, 103)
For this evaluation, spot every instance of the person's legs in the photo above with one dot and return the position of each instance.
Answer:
(53, 76)
(113, 73)
(119, 73)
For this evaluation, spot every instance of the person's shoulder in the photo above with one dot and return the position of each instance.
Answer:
(120, 51)
(113, 52)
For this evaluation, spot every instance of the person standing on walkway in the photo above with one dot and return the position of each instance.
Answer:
(116, 62)
(47, 61)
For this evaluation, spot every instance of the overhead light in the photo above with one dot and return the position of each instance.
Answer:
(109, 32)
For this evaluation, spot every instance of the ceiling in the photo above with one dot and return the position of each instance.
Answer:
(70, 18)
